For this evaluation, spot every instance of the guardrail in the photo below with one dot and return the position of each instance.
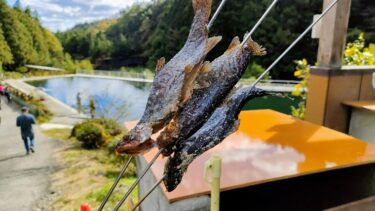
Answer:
(144, 75)
(121, 74)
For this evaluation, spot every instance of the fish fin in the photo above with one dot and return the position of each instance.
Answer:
(211, 43)
(255, 48)
(166, 135)
(188, 69)
(205, 68)
(235, 42)
(160, 64)
(191, 73)
(204, 5)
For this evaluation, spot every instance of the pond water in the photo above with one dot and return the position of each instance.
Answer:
(125, 100)
(118, 99)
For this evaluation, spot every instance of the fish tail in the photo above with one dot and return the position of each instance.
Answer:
(204, 6)
(255, 48)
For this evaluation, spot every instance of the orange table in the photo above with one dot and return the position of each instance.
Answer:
(269, 146)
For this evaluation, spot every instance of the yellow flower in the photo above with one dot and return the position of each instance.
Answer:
(298, 73)
(361, 35)
(350, 51)
(297, 90)
(304, 62)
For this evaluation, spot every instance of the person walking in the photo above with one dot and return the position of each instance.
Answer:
(25, 122)
(8, 95)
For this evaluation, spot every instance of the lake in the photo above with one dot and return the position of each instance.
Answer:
(125, 100)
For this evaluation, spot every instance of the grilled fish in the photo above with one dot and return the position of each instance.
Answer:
(173, 83)
(212, 86)
(222, 123)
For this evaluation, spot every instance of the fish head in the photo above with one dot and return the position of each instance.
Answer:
(173, 173)
(133, 147)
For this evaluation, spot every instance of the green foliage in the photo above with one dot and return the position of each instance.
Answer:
(111, 126)
(253, 71)
(152, 30)
(6, 56)
(36, 106)
(24, 41)
(357, 54)
(84, 65)
(18, 37)
(88, 40)
(92, 135)
(300, 90)
(96, 133)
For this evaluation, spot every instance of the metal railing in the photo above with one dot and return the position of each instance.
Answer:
(150, 76)
(120, 74)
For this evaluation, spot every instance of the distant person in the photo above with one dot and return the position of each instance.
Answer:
(25, 121)
(92, 108)
(2, 89)
(8, 95)
(79, 102)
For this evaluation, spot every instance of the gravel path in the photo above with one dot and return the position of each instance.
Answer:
(24, 180)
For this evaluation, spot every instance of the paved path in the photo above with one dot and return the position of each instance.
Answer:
(23, 179)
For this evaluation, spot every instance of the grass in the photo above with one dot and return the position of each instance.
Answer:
(86, 176)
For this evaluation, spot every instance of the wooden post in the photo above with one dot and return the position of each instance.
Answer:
(333, 34)
(331, 46)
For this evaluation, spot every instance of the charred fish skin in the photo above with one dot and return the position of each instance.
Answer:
(167, 88)
(222, 123)
(213, 87)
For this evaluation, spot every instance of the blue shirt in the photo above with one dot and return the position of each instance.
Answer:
(25, 122)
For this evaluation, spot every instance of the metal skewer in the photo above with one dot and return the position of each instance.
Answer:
(148, 193)
(126, 166)
(158, 154)
(216, 14)
(115, 183)
(138, 180)
(259, 22)
(259, 78)
(294, 43)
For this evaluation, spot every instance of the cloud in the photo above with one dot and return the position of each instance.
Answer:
(60, 15)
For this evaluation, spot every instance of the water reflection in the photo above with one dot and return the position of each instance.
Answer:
(118, 99)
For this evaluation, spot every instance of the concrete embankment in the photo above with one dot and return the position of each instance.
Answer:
(62, 113)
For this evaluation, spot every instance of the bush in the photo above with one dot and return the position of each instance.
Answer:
(112, 127)
(253, 71)
(95, 133)
(92, 135)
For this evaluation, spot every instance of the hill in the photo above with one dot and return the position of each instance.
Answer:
(24, 41)
(145, 32)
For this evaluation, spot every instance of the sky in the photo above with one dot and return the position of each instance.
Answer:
(59, 15)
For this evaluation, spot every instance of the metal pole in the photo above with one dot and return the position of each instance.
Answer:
(138, 180)
(216, 14)
(148, 193)
(294, 43)
(115, 184)
(259, 22)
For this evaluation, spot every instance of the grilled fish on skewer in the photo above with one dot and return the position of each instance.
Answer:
(212, 86)
(171, 86)
(222, 123)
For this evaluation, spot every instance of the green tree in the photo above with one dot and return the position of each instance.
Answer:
(6, 56)
(159, 28)
(40, 46)
(18, 37)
